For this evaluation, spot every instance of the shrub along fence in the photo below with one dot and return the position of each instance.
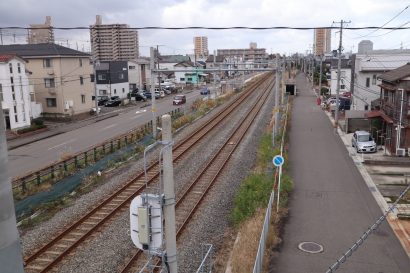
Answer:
(71, 163)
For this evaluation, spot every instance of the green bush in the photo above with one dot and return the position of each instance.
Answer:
(38, 121)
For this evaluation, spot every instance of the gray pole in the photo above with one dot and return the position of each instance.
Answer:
(320, 76)
(215, 73)
(277, 96)
(159, 73)
(169, 195)
(153, 109)
(338, 77)
(95, 87)
(11, 260)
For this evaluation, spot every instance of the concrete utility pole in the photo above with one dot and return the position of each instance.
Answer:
(339, 61)
(153, 109)
(320, 75)
(169, 195)
(95, 86)
(159, 73)
(11, 260)
(277, 96)
(398, 133)
(215, 73)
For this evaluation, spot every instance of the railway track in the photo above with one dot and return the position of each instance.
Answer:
(189, 199)
(52, 253)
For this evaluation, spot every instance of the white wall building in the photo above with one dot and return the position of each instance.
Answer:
(368, 68)
(139, 74)
(14, 92)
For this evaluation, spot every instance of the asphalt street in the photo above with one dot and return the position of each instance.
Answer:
(331, 204)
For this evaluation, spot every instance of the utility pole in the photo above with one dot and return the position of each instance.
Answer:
(277, 81)
(338, 75)
(400, 120)
(159, 73)
(95, 86)
(215, 73)
(320, 75)
(153, 109)
(169, 196)
(11, 260)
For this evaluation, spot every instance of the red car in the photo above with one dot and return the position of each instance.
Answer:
(179, 99)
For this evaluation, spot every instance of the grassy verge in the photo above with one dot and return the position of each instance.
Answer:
(251, 201)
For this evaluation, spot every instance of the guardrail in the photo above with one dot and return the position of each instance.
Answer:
(66, 166)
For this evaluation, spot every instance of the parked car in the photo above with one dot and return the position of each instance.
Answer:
(179, 99)
(102, 100)
(139, 96)
(147, 94)
(205, 91)
(363, 142)
(114, 101)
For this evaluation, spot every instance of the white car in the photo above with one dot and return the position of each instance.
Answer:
(363, 142)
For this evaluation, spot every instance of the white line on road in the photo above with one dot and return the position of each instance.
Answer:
(108, 127)
(138, 112)
(64, 143)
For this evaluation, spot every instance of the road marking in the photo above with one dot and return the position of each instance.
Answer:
(138, 112)
(108, 127)
(64, 143)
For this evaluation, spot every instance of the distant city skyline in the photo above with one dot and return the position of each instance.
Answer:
(210, 13)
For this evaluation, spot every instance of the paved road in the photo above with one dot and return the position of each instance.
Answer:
(41, 153)
(331, 204)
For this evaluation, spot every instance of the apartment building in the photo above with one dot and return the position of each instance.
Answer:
(113, 42)
(201, 47)
(61, 77)
(139, 74)
(248, 54)
(322, 41)
(41, 33)
(14, 92)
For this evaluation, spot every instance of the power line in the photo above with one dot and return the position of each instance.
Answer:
(209, 28)
(383, 24)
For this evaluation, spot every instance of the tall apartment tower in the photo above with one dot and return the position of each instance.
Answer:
(201, 46)
(113, 42)
(41, 33)
(322, 42)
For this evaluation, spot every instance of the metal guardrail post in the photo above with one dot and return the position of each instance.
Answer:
(38, 178)
(119, 144)
(23, 186)
(65, 165)
(112, 146)
(95, 154)
(52, 172)
(76, 162)
(126, 140)
(85, 159)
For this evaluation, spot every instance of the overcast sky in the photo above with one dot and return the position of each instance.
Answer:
(214, 13)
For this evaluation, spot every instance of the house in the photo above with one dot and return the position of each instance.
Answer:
(61, 77)
(394, 111)
(169, 61)
(218, 62)
(14, 92)
(345, 76)
(192, 75)
(112, 78)
(139, 74)
(368, 66)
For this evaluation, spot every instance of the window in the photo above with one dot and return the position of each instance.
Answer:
(367, 82)
(15, 114)
(11, 80)
(24, 112)
(82, 98)
(182, 79)
(374, 79)
(80, 61)
(49, 83)
(342, 84)
(190, 79)
(91, 77)
(51, 102)
(11, 68)
(32, 97)
(18, 68)
(1, 93)
(115, 91)
(121, 76)
(123, 90)
(131, 67)
(47, 62)
(102, 77)
(81, 79)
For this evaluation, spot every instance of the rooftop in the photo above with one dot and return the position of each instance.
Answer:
(396, 74)
(40, 50)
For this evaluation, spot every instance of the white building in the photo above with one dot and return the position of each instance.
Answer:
(139, 74)
(14, 92)
(345, 76)
(367, 69)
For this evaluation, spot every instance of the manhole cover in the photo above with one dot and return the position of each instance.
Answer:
(310, 247)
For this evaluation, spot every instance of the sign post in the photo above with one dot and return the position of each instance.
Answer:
(278, 161)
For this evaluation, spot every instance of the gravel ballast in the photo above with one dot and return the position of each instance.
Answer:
(107, 250)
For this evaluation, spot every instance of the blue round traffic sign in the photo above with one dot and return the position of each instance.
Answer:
(278, 160)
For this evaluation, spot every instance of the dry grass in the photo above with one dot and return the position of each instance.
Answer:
(244, 252)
